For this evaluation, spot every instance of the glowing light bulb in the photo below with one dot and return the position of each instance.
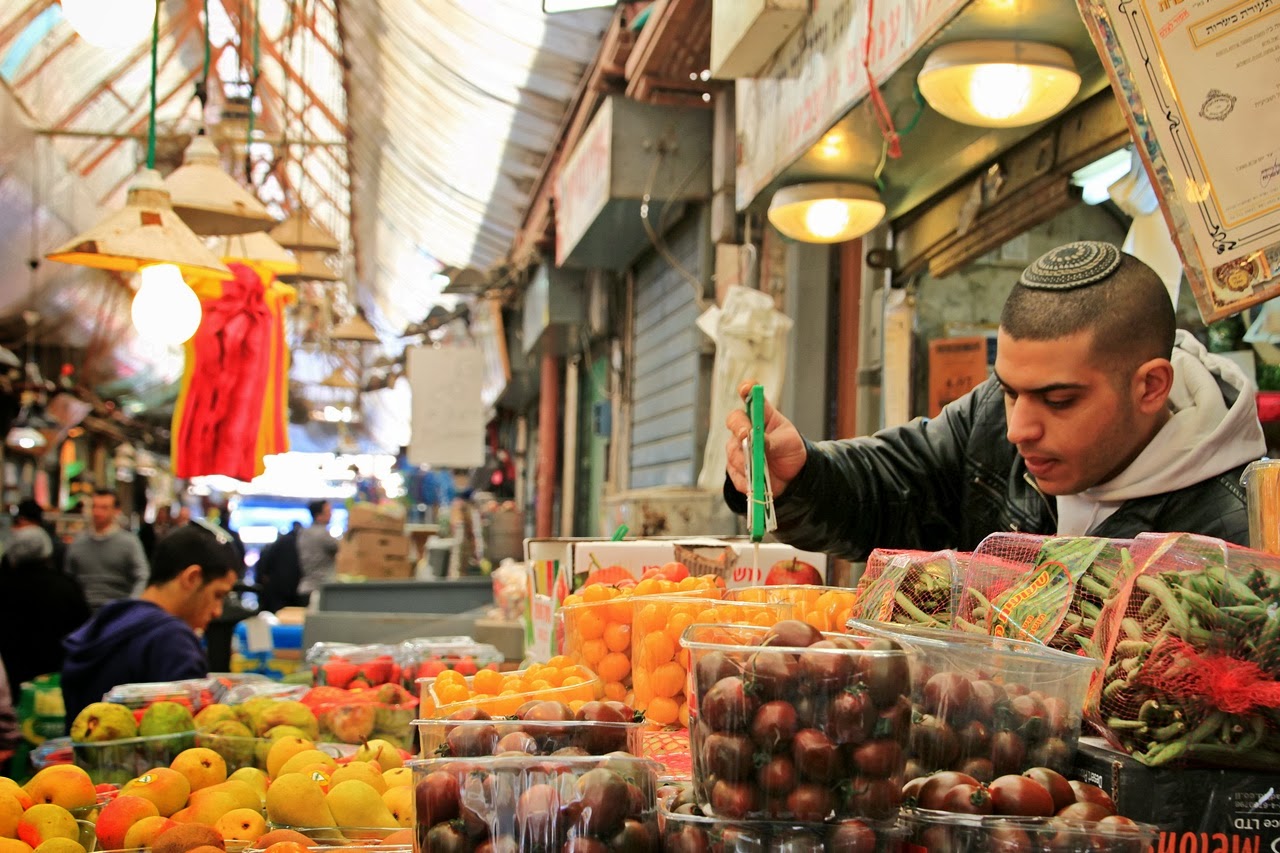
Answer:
(1000, 91)
(826, 218)
(165, 310)
(119, 23)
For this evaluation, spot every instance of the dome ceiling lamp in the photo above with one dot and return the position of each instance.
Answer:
(826, 211)
(999, 83)
(356, 330)
(209, 200)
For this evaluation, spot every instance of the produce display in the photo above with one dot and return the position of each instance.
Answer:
(344, 665)
(427, 657)
(988, 706)
(908, 588)
(790, 723)
(502, 693)
(563, 804)
(822, 607)
(1192, 652)
(537, 728)
(114, 743)
(662, 666)
(1039, 810)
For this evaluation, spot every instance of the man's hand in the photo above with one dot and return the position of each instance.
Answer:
(783, 446)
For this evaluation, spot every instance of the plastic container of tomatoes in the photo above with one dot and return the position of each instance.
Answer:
(195, 693)
(587, 689)
(427, 657)
(825, 608)
(947, 832)
(688, 830)
(660, 666)
(989, 706)
(794, 724)
(536, 803)
(347, 665)
(477, 738)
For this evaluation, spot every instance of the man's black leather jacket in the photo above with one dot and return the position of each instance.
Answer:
(950, 481)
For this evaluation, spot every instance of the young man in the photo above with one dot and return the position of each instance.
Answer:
(154, 637)
(317, 550)
(1102, 419)
(110, 563)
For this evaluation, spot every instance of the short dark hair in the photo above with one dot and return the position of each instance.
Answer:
(29, 510)
(192, 545)
(1129, 313)
(315, 508)
(107, 493)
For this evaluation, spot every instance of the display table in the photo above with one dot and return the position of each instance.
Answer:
(407, 596)
(365, 628)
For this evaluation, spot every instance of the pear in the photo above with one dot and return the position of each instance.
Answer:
(399, 801)
(367, 773)
(211, 715)
(356, 804)
(103, 721)
(298, 800)
(382, 753)
(284, 749)
(254, 778)
(302, 760)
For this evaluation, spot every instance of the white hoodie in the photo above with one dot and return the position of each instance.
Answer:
(1203, 438)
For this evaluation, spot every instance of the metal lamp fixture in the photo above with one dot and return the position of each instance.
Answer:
(994, 83)
(826, 212)
(208, 199)
(356, 330)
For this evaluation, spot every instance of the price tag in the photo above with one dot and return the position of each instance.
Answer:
(258, 636)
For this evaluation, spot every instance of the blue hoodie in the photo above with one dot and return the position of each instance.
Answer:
(127, 641)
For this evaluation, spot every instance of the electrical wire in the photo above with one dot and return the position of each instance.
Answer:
(155, 73)
(655, 238)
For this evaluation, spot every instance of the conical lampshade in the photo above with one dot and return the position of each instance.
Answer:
(299, 232)
(144, 232)
(311, 267)
(208, 199)
(339, 379)
(257, 249)
(356, 329)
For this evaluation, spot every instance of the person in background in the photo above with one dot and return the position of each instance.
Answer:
(149, 533)
(10, 733)
(28, 517)
(317, 550)
(109, 562)
(1102, 419)
(42, 604)
(154, 637)
(279, 572)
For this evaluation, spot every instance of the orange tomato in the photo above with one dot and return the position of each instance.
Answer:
(614, 667)
(668, 680)
(662, 711)
(617, 636)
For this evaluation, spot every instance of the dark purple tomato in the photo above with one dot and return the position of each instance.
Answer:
(550, 712)
(774, 726)
(934, 742)
(536, 813)
(437, 798)
(987, 697)
(634, 837)
(1116, 834)
(733, 800)
(882, 758)
(1085, 811)
(504, 844)
(710, 668)
(1051, 752)
(637, 802)
(471, 741)
(1055, 783)
(524, 709)
(740, 839)
(1057, 714)
(796, 841)
(940, 839)
(471, 712)
(911, 790)
(979, 768)
(729, 757)
(685, 839)
(1020, 796)
(772, 674)
(570, 752)
(1007, 753)
(793, 633)
(826, 666)
(727, 706)
(521, 742)
(807, 712)
(935, 787)
(894, 722)
(968, 799)
(447, 838)
(973, 739)
(949, 696)
(851, 836)
(886, 675)
(1004, 837)
(1086, 793)
(601, 738)
(583, 844)
(777, 776)
(1030, 718)
(874, 798)
(815, 755)
(605, 801)
(851, 716)
(810, 803)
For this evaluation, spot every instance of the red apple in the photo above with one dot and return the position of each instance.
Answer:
(793, 571)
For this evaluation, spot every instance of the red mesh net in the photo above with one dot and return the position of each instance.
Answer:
(1044, 589)
(910, 587)
(670, 748)
(1191, 650)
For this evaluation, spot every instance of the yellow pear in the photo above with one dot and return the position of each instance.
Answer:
(297, 800)
(207, 806)
(245, 795)
(399, 801)
(45, 821)
(383, 753)
(356, 804)
(241, 825)
(165, 787)
(284, 749)
(398, 777)
(13, 845)
(202, 767)
(10, 813)
(254, 778)
(144, 833)
(367, 773)
(302, 760)
(63, 785)
(12, 787)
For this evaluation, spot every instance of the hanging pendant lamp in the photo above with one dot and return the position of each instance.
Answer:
(143, 233)
(257, 249)
(208, 199)
(994, 83)
(826, 211)
(357, 330)
(339, 379)
(312, 266)
(299, 232)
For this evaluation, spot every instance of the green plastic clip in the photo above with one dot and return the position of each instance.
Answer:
(760, 515)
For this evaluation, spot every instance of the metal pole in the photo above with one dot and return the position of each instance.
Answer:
(548, 444)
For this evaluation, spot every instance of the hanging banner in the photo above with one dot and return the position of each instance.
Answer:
(1197, 80)
(818, 76)
(448, 419)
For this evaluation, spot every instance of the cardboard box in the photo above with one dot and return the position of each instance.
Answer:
(733, 559)
(374, 543)
(1198, 811)
(549, 563)
(388, 518)
(375, 566)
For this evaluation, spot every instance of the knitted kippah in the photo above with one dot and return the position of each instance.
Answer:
(1071, 266)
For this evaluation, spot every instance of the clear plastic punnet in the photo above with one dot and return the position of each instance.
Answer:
(426, 657)
(989, 706)
(1191, 648)
(909, 587)
(476, 738)
(346, 665)
(931, 831)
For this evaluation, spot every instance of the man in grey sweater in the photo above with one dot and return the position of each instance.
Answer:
(317, 550)
(110, 563)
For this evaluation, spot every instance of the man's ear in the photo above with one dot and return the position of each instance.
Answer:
(1152, 384)
(191, 578)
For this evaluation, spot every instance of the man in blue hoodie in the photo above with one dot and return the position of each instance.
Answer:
(154, 637)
